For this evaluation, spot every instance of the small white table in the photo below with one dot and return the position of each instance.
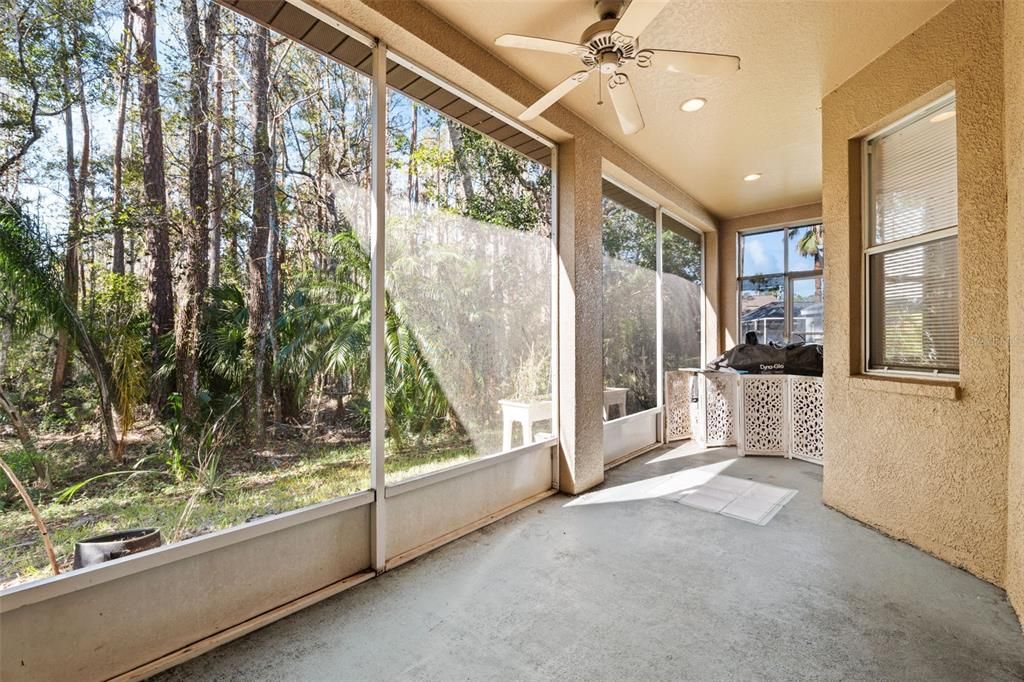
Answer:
(615, 396)
(526, 412)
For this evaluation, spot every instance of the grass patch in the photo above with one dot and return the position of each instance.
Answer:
(287, 475)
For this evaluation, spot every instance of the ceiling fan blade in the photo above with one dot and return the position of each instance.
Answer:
(556, 93)
(700, 63)
(542, 44)
(626, 106)
(638, 15)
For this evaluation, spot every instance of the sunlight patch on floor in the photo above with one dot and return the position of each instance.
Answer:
(667, 485)
(688, 449)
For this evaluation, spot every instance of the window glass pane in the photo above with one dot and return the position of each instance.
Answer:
(682, 294)
(468, 278)
(763, 253)
(808, 310)
(806, 248)
(913, 177)
(762, 308)
(629, 311)
(915, 307)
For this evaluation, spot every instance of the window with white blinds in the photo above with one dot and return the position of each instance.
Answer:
(911, 258)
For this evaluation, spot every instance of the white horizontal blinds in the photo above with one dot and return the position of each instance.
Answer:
(913, 286)
(915, 307)
(913, 177)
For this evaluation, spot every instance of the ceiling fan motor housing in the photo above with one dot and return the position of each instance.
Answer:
(606, 49)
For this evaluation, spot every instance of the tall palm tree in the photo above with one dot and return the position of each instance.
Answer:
(812, 245)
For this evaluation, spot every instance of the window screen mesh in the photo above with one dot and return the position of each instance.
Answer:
(913, 178)
(915, 307)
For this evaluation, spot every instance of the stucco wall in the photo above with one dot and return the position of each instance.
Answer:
(928, 464)
(1014, 117)
(727, 231)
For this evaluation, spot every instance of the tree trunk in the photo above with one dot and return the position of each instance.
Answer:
(122, 110)
(217, 171)
(262, 210)
(100, 370)
(455, 134)
(414, 178)
(62, 359)
(160, 297)
(77, 181)
(196, 237)
(275, 260)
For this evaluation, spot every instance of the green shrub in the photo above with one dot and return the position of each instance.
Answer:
(20, 462)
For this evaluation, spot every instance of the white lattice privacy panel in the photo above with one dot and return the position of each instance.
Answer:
(807, 433)
(678, 405)
(720, 410)
(765, 415)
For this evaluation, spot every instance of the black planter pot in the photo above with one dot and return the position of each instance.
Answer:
(115, 545)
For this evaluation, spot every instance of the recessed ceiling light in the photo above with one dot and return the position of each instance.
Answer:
(695, 104)
(944, 116)
(752, 177)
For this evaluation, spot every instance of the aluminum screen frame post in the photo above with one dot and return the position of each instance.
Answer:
(378, 517)
(555, 373)
(659, 323)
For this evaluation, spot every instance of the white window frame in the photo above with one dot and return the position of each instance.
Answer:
(786, 275)
(868, 250)
(791, 279)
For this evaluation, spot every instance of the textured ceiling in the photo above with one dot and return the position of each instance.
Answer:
(763, 119)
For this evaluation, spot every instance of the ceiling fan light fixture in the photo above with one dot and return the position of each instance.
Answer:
(693, 104)
(753, 177)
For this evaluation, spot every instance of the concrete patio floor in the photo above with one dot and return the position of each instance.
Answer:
(621, 585)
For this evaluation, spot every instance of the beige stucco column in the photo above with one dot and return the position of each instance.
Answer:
(1013, 117)
(580, 369)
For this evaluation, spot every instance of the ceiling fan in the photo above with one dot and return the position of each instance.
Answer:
(610, 44)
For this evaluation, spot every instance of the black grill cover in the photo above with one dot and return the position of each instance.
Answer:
(805, 359)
